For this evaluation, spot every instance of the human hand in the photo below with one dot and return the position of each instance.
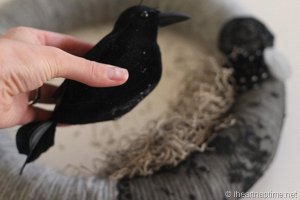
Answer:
(30, 57)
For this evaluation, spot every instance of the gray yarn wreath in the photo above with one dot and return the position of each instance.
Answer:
(243, 151)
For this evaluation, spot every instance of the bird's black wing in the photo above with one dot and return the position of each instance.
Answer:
(101, 50)
(77, 95)
(81, 104)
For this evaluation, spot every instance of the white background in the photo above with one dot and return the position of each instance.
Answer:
(283, 18)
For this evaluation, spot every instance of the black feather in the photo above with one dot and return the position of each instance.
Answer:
(34, 139)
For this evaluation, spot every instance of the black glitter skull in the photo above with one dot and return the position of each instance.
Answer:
(243, 41)
(246, 34)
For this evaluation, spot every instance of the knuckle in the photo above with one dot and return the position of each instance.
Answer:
(17, 30)
(27, 34)
(93, 71)
(53, 62)
(54, 51)
(5, 104)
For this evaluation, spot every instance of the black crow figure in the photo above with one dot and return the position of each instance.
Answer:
(132, 45)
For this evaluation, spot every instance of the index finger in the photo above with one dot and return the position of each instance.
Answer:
(64, 42)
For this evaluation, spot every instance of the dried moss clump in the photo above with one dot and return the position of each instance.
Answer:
(201, 107)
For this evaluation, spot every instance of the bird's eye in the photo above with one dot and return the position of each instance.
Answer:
(145, 14)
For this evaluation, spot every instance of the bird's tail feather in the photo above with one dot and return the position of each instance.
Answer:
(35, 138)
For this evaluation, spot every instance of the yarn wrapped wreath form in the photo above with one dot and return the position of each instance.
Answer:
(241, 152)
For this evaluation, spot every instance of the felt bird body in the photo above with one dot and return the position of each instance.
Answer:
(132, 45)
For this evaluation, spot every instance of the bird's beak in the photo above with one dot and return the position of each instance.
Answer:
(166, 19)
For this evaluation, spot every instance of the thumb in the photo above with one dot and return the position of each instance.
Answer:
(85, 71)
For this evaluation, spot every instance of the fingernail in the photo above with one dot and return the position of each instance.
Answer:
(117, 74)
